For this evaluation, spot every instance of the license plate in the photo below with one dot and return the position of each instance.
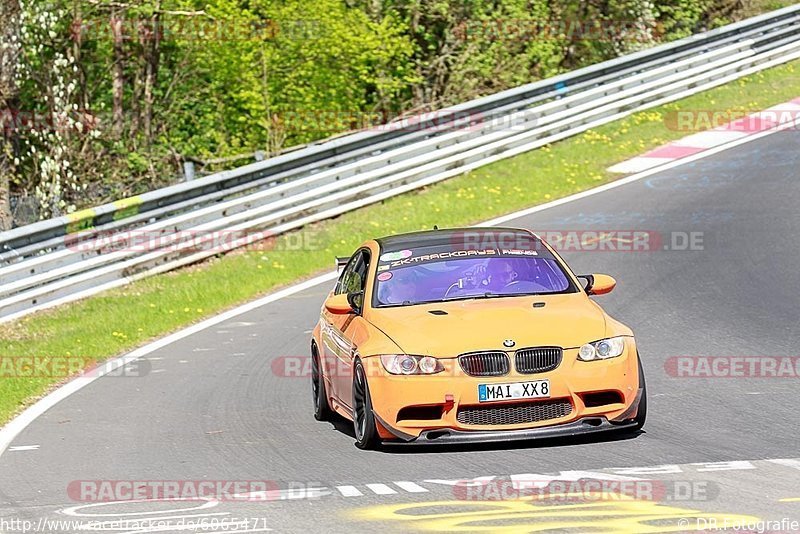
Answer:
(517, 390)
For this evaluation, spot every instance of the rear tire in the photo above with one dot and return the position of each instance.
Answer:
(641, 414)
(322, 412)
(363, 419)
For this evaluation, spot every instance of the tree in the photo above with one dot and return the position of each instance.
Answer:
(9, 57)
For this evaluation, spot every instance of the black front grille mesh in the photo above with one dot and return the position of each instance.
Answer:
(484, 363)
(514, 414)
(537, 360)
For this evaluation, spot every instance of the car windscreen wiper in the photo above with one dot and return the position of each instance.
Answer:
(486, 294)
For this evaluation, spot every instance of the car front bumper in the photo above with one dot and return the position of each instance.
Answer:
(570, 382)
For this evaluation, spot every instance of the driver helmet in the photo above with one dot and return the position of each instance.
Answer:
(500, 273)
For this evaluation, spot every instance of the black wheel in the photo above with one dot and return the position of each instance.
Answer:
(363, 418)
(641, 415)
(322, 412)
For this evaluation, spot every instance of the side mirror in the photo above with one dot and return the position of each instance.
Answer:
(339, 304)
(599, 284)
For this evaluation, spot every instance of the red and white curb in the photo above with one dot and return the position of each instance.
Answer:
(723, 127)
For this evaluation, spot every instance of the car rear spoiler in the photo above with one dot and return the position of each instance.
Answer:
(341, 261)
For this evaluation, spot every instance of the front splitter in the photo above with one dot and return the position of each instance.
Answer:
(586, 425)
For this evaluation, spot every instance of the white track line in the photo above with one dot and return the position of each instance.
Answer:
(16, 425)
(349, 491)
(381, 489)
(411, 487)
(9, 432)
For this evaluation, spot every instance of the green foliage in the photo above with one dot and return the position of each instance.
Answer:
(681, 18)
(137, 163)
(209, 79)
(246, 89)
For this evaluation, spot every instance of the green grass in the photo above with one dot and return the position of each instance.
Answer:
(752, 8)
(119, 320)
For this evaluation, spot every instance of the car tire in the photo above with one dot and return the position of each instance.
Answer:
(641, 414)
(364, 426)
(322, 411)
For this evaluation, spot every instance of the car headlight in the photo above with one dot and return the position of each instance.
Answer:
(602, 350)
(406, 364)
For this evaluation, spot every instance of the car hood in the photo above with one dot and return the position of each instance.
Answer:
(462, 326)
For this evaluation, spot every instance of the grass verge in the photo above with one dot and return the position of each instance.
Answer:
(119, 320)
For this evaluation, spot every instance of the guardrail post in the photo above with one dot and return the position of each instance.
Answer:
(188, 171)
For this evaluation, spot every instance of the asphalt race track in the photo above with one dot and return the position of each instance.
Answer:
(213, 408)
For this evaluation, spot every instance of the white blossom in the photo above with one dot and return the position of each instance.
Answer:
(46, 142)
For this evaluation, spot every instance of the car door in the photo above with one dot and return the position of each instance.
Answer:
(337, 335)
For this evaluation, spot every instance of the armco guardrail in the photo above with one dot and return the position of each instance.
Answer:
(49, 262)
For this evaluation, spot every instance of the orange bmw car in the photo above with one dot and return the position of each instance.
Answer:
(472, 335)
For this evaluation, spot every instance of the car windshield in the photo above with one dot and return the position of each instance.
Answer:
(417, 276)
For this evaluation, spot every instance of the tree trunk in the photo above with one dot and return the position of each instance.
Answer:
(9, 56)
(77, 43)
(152, 48)
(117, 72)
(6, 220)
